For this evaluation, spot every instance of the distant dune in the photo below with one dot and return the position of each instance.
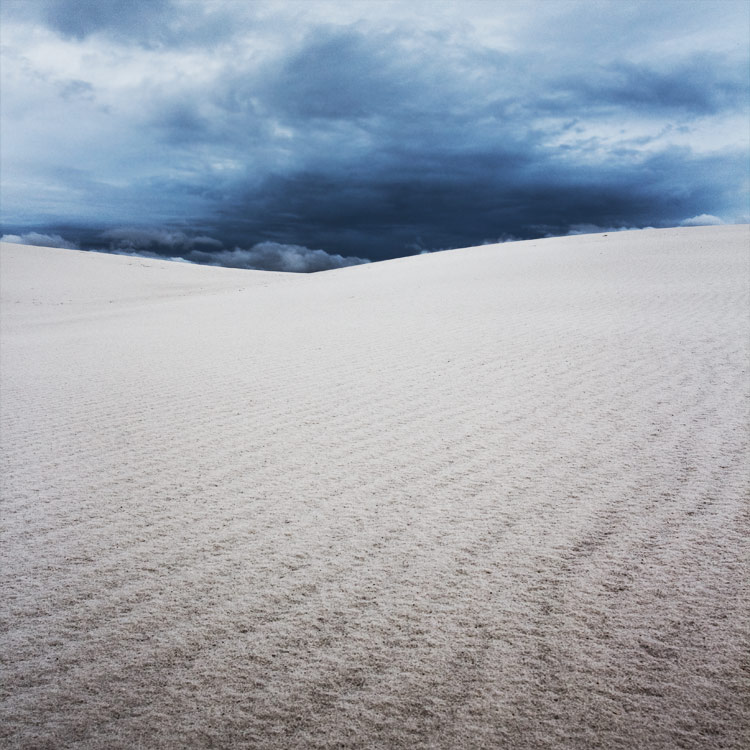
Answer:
(484, 498)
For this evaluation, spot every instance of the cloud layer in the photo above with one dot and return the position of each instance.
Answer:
(39, 240)
(371, 129)
(158, 243)
(264, 256)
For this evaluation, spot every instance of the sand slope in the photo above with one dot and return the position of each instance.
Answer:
(495, 497)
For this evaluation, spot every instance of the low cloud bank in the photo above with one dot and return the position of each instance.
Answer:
(201, 249)
(272, 256)
(263, 256)
(596, 229)
(39, 240)
(702, 220)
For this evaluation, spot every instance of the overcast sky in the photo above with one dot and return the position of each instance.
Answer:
(273, 133)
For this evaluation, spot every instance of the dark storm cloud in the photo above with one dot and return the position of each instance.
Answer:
(407, 80)
(471, 202)
(699, 84)
(272, 256)
(39, 240)
(158, 240)
(263, 256)
(343, 75)
(376, 137)
(413, 155)
(410, 153)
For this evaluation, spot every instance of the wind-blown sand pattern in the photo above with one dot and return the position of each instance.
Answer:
(493, 497)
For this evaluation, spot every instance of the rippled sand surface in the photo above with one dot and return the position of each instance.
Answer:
(492, 497)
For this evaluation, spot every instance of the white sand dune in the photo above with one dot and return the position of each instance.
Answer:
(493, 497)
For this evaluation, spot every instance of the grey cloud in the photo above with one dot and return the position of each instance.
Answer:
(702, 220)
(501, 239)
(139, 239)
(385, 158)
(145, 23)
(266, 256)
(385, 214)
(79, 18)
(76, 89)
(340, 74)
(40, 240)
(595, 229)
(698, 83)
(273, 256)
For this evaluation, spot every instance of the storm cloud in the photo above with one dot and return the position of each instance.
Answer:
(272, 256)
(370, 131)
(264, 256)
(39, 240)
